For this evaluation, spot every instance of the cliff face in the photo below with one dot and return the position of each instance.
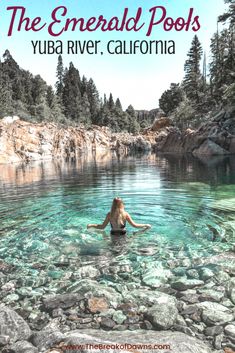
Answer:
(216, 137)
(24, 141)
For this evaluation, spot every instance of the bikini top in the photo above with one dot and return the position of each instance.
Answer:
(122, 226)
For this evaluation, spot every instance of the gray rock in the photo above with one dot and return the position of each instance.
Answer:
(209, 148)
(148, 297)
(23, 347)
(24, 291)
(119, 317)
(218, 341)
(88, 288)
(46, 339)
(58, 312)
(156, 277)
(230, 330)
(4, 340)
(180, 321)
(206, 273)
(107, 323)
(215, 314)
(213, 331)
(11, 298)
(63, 301)
(222, 277)
(184, 284)
(231, 290)
(190, 298)
(172, 341)
(163, 314)
(210, 295)
(226, 302)
(190, 309)
(13, 325)
(179, 271)
(198, 327)
(147, 325)
(86, 272)
(193, 274)
(184, 329)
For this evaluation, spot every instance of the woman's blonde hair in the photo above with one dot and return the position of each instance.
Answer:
(117, 209)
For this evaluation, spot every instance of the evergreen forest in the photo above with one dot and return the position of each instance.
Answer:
(207, 86)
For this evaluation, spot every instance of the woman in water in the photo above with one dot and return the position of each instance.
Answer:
(117, 218)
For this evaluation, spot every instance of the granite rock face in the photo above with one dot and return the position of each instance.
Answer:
(214, 137)
(25, 141)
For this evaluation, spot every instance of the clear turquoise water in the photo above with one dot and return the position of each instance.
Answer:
(45, 207)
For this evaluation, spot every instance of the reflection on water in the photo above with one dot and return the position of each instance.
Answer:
(45, 207)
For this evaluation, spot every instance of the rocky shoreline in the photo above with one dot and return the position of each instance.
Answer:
(214, 137)
(22, 141)
(186, 304)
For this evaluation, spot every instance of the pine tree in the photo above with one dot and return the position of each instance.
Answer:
(131, 111)
(84, 84)
(229, 15)
(171, 98)
(6, 101)
(192, 82)
(204, 74)
(60, 77)
(118, 105)
(111, 102)
(12, 70)
(94, 100)
(50, 96)
(71, 96)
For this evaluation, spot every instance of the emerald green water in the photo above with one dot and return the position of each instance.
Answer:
(45, 207)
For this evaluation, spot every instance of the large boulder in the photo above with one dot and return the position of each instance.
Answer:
(216, 136)
(125, 341)
(209, 148)
(13, 325)
(162, 315)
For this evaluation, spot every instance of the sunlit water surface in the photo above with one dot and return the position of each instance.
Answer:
(45, 207)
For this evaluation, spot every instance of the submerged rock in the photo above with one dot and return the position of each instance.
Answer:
(162, 315)
(86, 272)
(148, 297)
(89, 288)
(231, 290)
(184, 284)
(119, 317)
(209, 148)
(13, 325)
(156, 277)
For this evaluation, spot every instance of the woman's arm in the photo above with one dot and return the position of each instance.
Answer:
(100, 226)
(136, 225)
